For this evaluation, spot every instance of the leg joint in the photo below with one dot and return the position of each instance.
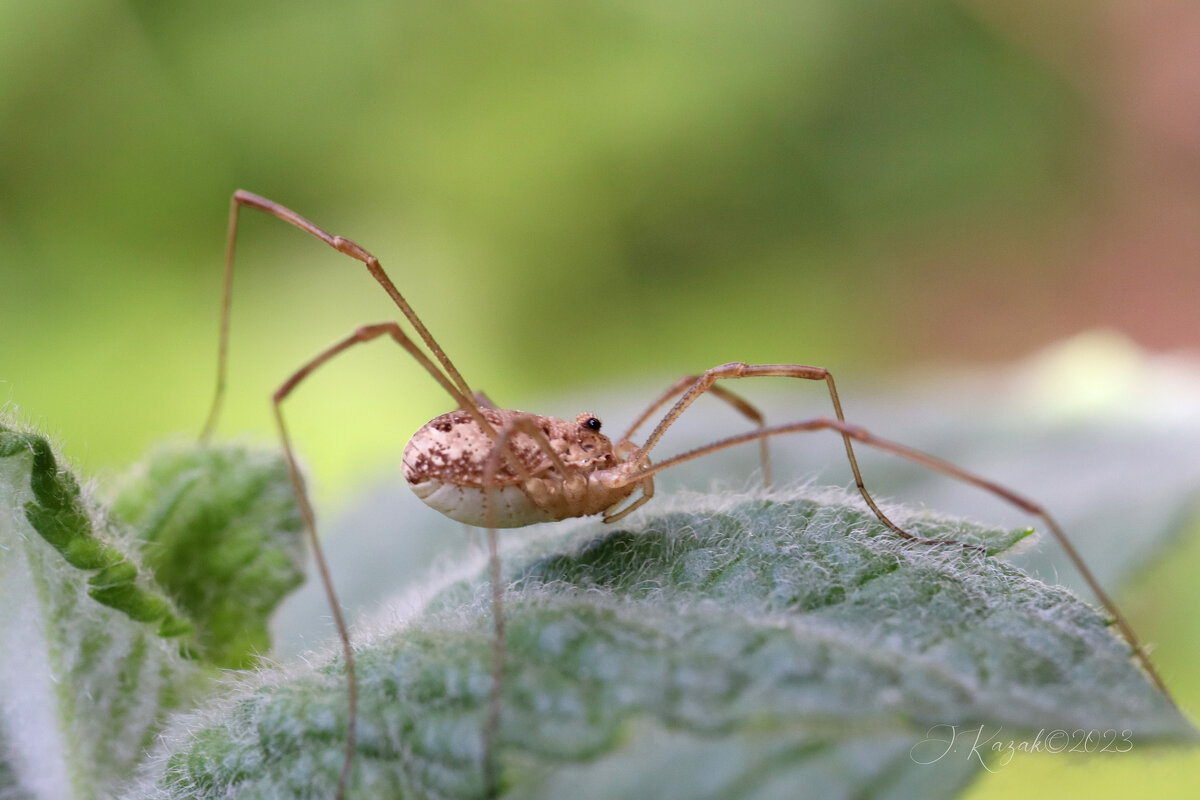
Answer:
(734, 369)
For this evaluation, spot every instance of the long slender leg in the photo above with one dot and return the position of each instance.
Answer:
(310, 525)
(739, 404)
(500, 451)
(704, 383)
(342, 245)
(363, 334)
(491, 787)
(946, 468)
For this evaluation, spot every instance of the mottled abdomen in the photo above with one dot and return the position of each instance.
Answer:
(446, 459)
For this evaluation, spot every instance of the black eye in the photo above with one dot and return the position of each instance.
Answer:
(592, 423)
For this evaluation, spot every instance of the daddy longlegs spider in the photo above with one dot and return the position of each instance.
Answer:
(495, 468)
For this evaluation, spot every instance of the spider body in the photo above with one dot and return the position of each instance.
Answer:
(446, 463)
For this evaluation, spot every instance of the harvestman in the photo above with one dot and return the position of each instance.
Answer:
(494, 468)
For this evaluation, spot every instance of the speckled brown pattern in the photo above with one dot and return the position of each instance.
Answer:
(453, 449)
(447, 461)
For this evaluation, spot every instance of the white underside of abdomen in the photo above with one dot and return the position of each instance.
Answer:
(469, 505)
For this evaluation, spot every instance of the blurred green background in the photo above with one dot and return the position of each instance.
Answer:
(572, 196)
(575, 197)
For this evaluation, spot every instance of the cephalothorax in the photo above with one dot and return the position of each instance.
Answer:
(495, 468)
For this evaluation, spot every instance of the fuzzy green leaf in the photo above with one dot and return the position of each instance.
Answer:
(103, 630)
(223, 536)
(90, 648)
(739, 650)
